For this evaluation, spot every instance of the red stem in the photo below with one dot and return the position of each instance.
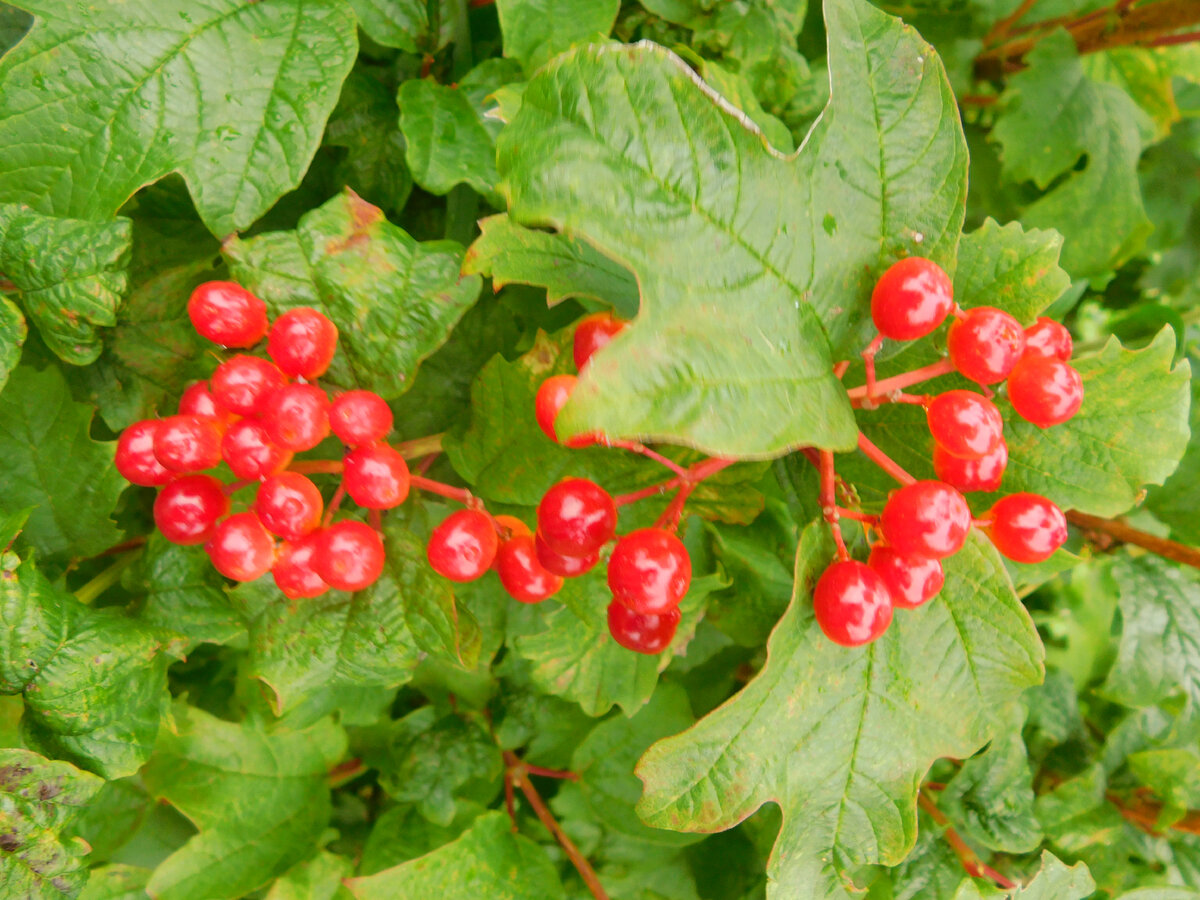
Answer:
(334, 503)
(904, 379)
(636, 447)
(828, 499)
(881, 459)
(317, 467)
(1189, 37)
(461, 495)
(974, 866)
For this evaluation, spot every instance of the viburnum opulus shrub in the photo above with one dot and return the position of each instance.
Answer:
(513, 450)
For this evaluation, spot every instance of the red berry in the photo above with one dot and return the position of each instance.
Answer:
(240, 548)
(289, 505)
(911, 580)
(251, 453)
(1045, 391)
(983, 474)
(302, 342)
(463, 547)
(360, 417)
(522, 575)
(293, 570)
(852, 604)
(227, 314)
(927, 518)
(135, 458)
(567, 566)
(243, 384)
(985, 344)
(349, 556)
(376, 476)
(649, 571)
(1027, 528)
(1048, 338)
(911, 299)
(551, 397)
(197, 400)
(576, 517)
(965, 424)
(297, 416)
(188, 443)
(594, 332)
(186, 510)
(647, 634)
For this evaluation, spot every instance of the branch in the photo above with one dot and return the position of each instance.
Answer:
(974, 866)
(1144, 814)
(1127, 534)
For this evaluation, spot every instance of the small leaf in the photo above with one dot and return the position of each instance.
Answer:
(1010, 268)
(415, 26)
(13, 332)
(117, 882)
(1056, 881)
(402, 833)
(536, 30)
(319, 878)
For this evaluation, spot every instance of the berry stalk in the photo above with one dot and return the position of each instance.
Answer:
(881, 459)
(903, 380)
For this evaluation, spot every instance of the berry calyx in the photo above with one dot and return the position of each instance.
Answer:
(360, 417)
(302, 342)
(249, 451)
(241, 548)
(349, 556)
(965, 424)
(227, 314)
(551, 397)
(566, 566)
(576, 517)
(983, 474)
(852, 604)
(911, 580)
(188, 443)
(1027, 528)
(297, 416)
(135, 458)
(511, 527)
(293, 570)
(197, 400)
(985, 344)
(592, 333)
(186, 511)
(649, 571)
(525, 579)
(243, 384)
(1045, 392)
(640, 633)
(376, 476)
(289, 505)
(463, 547)
(1048, 338)
(927, 518)
(911, 299)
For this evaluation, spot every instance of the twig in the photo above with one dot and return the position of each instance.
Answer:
(974, 866)
(106, 579)
(1127, 534)
(1000, 30)
(1144, 814)
(881, 459)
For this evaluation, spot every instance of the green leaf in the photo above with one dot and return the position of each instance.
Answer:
(734, 246)
(38, 798)
(394, 299)
(1056, 881)
(415, 26)
(112, 818)
(259, 799)
(1156, 893)
(1010, 268)
(1173, 775)
(841, 738)
(510, 254)
(41, 428)
(319, 878)
(13, 331)
(402, 833)
(13, 25)
(1176, 501)
(117, 882)
(487, 861)
(234, 96)
(536, 30)
(364, 125)
(1145, 75)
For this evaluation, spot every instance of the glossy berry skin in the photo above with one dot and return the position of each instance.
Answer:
(525, 579)
(927, 518)
(1045, 392)
(197, 400)
(852, 604)
(965, 424)
(592, 333)
(376, 476)
(297, 416)
(649, 571)
(135, 458)
(188, 443)
(640, 633)
(463, 547)
(248, 450)
(186, 511)
(576, 517)
(349, 556)
(240, 548)
(360, 417)
(1027, 528)
(985, 344)
(552, 396)
(911, 299)
(293, 570)
(911, 580)
(227, 314)
(289, 505)
(1048, 338)
(243, 384)
(566, 566)
(983, 474)
(302, 343)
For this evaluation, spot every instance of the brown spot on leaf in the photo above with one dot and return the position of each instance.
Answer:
(9, 841)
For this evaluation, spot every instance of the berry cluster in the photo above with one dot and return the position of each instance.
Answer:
(923, 522)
